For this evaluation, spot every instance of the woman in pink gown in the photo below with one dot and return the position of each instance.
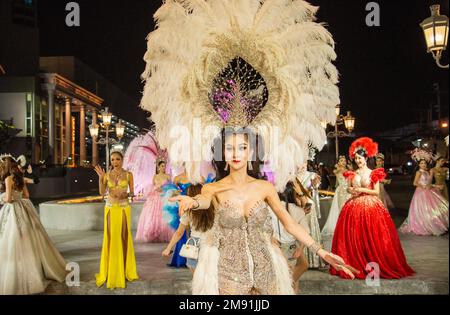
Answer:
(428, 211)
(151, 226)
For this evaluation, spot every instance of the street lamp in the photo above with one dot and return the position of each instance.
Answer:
(94, 130)
(120, 129)
(348, 121)
(106, 117)
(435, 30)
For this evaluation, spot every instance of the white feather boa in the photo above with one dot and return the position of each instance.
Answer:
(206, 275)
(196, 39)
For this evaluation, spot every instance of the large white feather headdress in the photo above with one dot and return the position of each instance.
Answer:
(197, 41)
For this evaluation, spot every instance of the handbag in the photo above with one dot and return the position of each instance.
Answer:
(190, 251)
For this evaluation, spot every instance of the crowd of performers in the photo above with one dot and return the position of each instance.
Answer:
(246, 237)
(250, 70)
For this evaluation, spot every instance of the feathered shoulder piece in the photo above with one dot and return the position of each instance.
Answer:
(349, 174)
(262, 64)
(170, 209)
(377, 175)
(366, 144)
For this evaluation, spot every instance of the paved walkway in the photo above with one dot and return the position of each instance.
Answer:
(428, 256)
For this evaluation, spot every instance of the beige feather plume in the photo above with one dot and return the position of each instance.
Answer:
(195, 39)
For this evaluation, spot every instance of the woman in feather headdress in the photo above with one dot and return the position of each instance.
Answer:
(365, 233)
(241, 76)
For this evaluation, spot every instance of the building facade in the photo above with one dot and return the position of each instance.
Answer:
(53, 115)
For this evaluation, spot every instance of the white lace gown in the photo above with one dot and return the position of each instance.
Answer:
(28, 258)
(340, 197)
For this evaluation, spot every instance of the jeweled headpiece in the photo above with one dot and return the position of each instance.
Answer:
(311, 154)
(116, 150)
(161, 157)
(6, 155)
(261, 64)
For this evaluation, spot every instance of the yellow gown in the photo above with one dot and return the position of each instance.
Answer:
(112, 269)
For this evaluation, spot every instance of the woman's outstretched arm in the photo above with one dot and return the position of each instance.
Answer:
(301, 234)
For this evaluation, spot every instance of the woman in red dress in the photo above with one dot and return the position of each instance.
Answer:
(365, 232)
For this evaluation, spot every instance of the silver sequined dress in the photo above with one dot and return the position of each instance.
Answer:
(247, 260)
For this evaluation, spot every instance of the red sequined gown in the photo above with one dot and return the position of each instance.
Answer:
(365, 233)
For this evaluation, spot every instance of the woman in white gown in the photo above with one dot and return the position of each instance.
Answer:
(28, 257)
(384, 196)
(310, 181)
(340, 197)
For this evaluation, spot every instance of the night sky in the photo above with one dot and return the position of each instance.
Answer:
(386, 76)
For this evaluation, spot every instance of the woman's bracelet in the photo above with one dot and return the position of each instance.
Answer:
(315, 247)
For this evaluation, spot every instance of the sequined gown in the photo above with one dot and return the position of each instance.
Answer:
(238, 256)
(428, 211)
(440, 175)
(117, 262)
(365, 233)
(28, 258)
(340, 197)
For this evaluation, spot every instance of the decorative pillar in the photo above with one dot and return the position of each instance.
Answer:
(68, 133)
(51, 120)
(82, 135)
(94, 141)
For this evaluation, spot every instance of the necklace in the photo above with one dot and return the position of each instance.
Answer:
(116, 175)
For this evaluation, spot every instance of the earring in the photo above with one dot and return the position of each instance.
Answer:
(250, 166)
(226, 167)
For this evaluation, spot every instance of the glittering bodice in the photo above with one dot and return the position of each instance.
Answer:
(245, 263)
(16, 195)
(362, 180)
(424, 178)
(440, 176)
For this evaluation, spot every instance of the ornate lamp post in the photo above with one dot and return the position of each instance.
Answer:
(94, 130)
(348, 121)
(435, 30)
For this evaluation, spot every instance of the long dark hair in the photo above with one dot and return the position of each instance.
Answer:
(202, 220)
(288, 195)
(255, 143)
(8, 168)
(418, 164)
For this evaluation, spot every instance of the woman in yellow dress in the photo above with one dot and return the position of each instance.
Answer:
(118, 261)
